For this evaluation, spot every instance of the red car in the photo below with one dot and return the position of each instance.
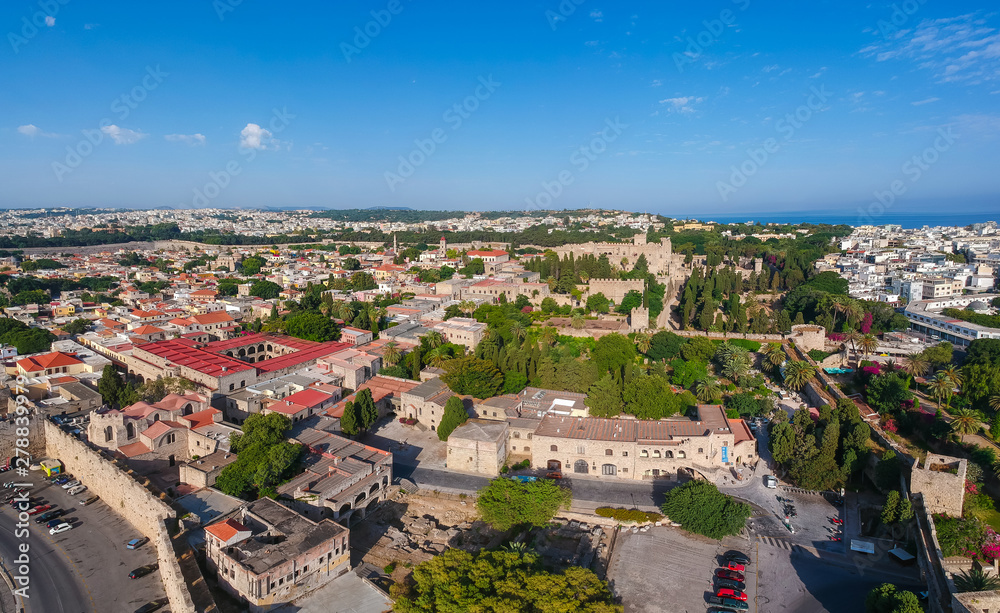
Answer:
(40, 509)
(728, 593)
(735, 566)
(723, 573)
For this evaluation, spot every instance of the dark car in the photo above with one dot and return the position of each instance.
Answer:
(49, 515)
(149, 607)
(723, 573)
(61, 480)
(738, 557)
(52, 523)
(731, 603)
(729, 583)
(142, 571)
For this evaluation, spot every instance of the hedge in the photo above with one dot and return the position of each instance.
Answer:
(628, 515)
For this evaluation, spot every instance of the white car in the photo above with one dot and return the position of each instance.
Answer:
(63, 527)
(770, 482)
(70, 484)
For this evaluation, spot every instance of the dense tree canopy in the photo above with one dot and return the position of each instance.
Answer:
(454, 416)
(500, 582)
(26, 340)
(264, 457)
(473, 376)
(506, 503)
(701, 508)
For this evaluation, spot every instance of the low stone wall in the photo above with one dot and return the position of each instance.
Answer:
(764, 338)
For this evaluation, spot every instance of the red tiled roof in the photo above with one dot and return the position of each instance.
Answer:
(301, 357)
(133, 449)
(185, 353)
(213, 318)
(309, 397)
(201, 418)
(287, 408)
(160, 428)
(490, 252)
(226, 530)
(147, 329)
(56, 359)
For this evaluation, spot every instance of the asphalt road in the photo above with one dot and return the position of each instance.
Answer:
(54, 585)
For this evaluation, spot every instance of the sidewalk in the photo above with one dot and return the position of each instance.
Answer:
(8, 604)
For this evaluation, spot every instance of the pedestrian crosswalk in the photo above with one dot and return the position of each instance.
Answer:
(780, 543)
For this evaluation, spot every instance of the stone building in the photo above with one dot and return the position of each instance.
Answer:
(269, 555)
(808, 337)
(478, 446)
(941, 483)
(658, 255)
(643, 449)
(614, 290)
(425, 402)
(462, 331)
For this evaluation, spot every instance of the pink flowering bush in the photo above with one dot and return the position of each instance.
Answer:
(866, 323)
(971, 487)
(991, 545)
(890, 425)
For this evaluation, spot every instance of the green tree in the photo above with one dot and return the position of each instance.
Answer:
(887, 471)
(265, 290)
(604, 399)
(110, 385)
(365, 406)
(312, 326)
(350, 421)
(887, 598)
(77, 326)
(698, 348)
(782, 442)
(890, 510)
(500, 581)
(598, 303)
(473, 376)
(664, 345)
(701, 508)
(454, 416)
(975, 580)
(612, 353)
(506, 503)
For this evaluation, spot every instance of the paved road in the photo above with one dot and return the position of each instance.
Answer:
(54, 585)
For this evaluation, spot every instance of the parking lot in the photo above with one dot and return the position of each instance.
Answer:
(665, 569)
(94, 551)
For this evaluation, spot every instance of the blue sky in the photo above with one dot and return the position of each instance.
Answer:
(681, 110)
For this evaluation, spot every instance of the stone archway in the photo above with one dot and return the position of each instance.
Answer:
(554, 465)
(581, 467)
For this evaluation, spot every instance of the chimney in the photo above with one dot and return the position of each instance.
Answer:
(225, 369)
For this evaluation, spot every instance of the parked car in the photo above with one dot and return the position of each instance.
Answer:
(77, 489)
(729, 583)
(730, 603)
(136, 543)
(730, 593)
(39, 509)
(723, 573)
(735, 566)
(142, 571)
(53, 523)
(149, 607)
(70, 484)
(61, 480)
(553, 475)
(4, 468)
(770, 482)
(738, 557)
(90, 501)
(63, 527)
(49, 515)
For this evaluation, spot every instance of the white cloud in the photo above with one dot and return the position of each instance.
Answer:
(962, 48)
(50, 20)
(191, 139)
(123, 136)
(597, 16)
(255, 137)
(925, 101)
(656, 83)
(31, 130)
(683, 104)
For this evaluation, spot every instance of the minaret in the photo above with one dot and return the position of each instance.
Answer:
(395, 245)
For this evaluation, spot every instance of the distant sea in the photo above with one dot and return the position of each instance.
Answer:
(901, 218)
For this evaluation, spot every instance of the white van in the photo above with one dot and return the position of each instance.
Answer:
(73, 491)
(770, 482)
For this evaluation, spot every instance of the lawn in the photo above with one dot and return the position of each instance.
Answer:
(991, 517)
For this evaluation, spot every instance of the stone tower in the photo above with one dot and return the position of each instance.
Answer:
(638, 321)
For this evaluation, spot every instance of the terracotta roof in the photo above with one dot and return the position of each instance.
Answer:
(160, 428)
(201, 418)
(309, 398)
(147, 329)
(133, 449)
(287, 408)
(213, 318)
(490, 252)
(56, 359)
(226, 530)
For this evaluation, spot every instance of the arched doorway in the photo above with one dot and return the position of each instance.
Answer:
(554, 465)
(609, 470)
(581, 467)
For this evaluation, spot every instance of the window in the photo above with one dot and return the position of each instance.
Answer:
(527, 449)
(529, 436)
(701, 450)
(669, 454)
(581, 449)
(608, 452)
(231, 388)
(517, 435)
(130, 430)
(656, 453)
(644, 453)
(624, 470)
(108, 434)
(609, 470)
(681, 454)
(554, 448)
(624, 454)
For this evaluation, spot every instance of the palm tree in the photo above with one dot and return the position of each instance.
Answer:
(549, 336)
(941, 388)
(643, 341)
(975, 580)
(916, 365)
(798, 373)
(775, 354)
(517, 329)
(953, 374)
(965, 422)
(434, 339)
(344, 311)
(438, 356)
(391, 353)
(995, 402)
(578, 321)
(707, 390)
(467, 306)
(868, 344)
(852, 336)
